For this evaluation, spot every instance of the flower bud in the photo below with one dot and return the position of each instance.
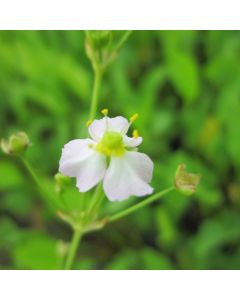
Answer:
(98, 45)
(186, 183)
(98, 39)
(16, 144)
(61, 182)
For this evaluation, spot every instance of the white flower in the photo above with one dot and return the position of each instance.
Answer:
(109, 155)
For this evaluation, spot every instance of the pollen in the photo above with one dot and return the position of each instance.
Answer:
(135, 134)
(104, 112)
(88, 123)
(134, 118)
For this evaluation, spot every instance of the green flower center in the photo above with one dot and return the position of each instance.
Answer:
(111, 144)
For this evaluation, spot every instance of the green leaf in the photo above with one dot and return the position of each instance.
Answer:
(183, 71)
(11, 176)
(10, 234)
(154, 260)
(124, 260)
(215, 233)
(38, 252)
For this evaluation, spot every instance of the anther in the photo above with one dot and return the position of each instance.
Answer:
(135, 134)
(88, 123)
(104, 112)
(133, 118)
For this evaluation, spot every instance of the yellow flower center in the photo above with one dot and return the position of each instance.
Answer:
(111, 144)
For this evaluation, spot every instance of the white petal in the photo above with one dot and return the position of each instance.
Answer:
(117, 124)
(81, 161)
(91, 172)
(132, 142)
(72, 154)
(128, 175)
(99, 127)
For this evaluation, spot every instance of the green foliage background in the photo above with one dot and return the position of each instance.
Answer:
(185, 87)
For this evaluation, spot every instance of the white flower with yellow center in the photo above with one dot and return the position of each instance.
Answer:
(110, 155)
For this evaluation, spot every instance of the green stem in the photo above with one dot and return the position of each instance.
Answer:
(73, 249)
(42, 193)
(139, 205)
(95, 94)
(32, 173)
(97, 199)
(123, 39)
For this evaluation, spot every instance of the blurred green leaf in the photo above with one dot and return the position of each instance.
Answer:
(183, 72)
(125, 260)
(153, 260)
(38, 252)
(10, 175)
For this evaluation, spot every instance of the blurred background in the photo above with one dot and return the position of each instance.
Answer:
(185, 87)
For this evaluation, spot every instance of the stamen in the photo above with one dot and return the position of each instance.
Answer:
(88, 123)
(134, 118)
(104, 112)
(90, 145)
(135, 134)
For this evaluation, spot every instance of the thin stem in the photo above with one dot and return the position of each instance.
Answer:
(95, 94)
(97, 198)
(73, 249)
(50, 200)
(139, 205)
(123, 39)
(31, 172)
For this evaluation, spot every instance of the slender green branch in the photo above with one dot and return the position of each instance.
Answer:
(95, 94)
(97, 199)
(31, 172)
(42, 193)
(139, 205)
(73, 249)
(123, 39)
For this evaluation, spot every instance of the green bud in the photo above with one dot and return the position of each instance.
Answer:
(16, 144)
(61, 182)
(186, 183)
(98, 45)
(99, 39)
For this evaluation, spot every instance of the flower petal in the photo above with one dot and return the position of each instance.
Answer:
(99, 127)
(91, 171)
(132, 142)
(81, 161)
(128, 175)
(72, 154)
(117, 124)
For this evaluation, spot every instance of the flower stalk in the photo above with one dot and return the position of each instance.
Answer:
(123, 40)
(73, 249)
(139, 205)
(31, 172)
(95, 94)
(49, 199)
(96, 201)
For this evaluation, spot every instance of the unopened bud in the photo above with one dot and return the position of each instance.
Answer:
(16, 144)
(99, 38)
(61, 182)
(186, 183)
